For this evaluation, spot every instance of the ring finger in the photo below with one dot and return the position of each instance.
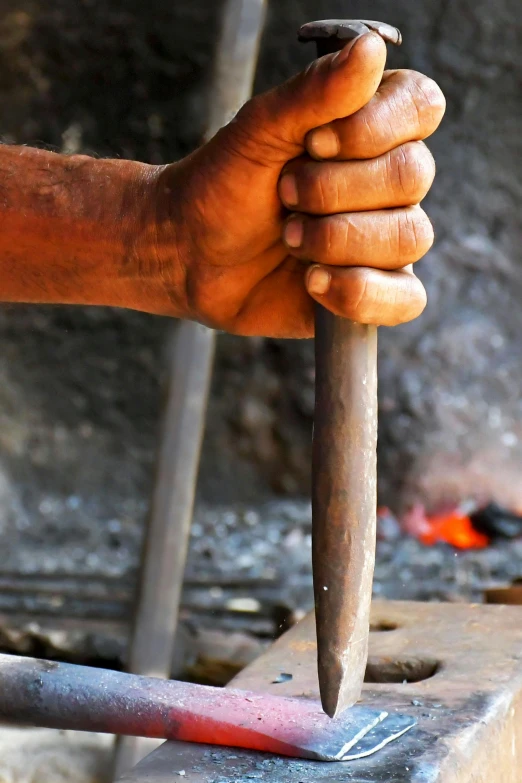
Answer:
(384, 239)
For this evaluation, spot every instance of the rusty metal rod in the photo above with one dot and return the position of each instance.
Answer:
(344, 465)
(344, 503)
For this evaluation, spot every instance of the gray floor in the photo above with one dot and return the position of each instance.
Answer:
(41, 756)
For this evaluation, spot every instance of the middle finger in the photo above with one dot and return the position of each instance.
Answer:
(399, 178)
(408, 106)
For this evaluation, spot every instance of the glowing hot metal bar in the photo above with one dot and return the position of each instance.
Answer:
(62, 696)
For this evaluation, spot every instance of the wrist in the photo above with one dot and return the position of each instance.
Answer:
(144, 272)
(157, 278)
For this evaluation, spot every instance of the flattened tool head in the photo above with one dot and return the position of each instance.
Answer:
(300, 729)
(344, 30)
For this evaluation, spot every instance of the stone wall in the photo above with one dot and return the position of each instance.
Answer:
(79, 388)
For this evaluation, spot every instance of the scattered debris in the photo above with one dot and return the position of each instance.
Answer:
(511, 595)
(243, 605)
(283, 677)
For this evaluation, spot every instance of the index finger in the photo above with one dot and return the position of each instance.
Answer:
(408, 106)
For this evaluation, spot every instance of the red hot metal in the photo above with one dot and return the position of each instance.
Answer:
(63, 696)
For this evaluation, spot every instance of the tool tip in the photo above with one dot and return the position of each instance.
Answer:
(339, 690)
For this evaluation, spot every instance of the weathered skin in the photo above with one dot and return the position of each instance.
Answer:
(208, 238)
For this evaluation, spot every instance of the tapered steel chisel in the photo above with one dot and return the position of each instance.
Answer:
(344, 469)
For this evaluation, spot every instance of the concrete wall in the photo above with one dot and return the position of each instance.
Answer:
(79, 389)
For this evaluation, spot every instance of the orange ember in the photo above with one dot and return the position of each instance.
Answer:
(454, 528)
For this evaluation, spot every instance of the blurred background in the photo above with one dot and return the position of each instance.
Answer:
(80, 389)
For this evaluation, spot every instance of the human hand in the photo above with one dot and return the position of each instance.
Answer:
(312, 192)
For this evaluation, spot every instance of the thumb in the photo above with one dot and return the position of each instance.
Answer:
(331, 88)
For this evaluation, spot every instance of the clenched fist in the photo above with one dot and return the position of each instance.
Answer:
(312, 192)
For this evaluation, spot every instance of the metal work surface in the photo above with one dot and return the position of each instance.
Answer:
(467, 700)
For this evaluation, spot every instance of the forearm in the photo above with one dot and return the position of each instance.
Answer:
(76, 230)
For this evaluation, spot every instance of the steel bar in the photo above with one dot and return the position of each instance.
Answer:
(62, 696)
(189, 367)
(190, 362)
(189, 372)
(190, 353)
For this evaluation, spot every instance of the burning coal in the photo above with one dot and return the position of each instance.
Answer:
(463, 527)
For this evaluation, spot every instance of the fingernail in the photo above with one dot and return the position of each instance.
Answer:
(341, 57)
(294, 232)
(288, 190)
(323, 143)
(319, 280)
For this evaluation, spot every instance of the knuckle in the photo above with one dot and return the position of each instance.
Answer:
(320, 195)
(429, 98)
(415, 306)
(418, 98)
(198, 299)
(412, 172)
(419, 299)
(432, 93)
(250, 117)
(410, 301)
(415, 234)
(328, 239)
(242, 132)
(381, 298)
(360, 298)
(317, 190)
(255, 133)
